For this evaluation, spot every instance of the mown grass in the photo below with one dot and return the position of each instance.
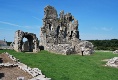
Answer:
(71, 67)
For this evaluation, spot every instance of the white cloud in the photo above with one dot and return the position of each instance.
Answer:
(37, 18)
(95, 36)
(106, 29)
(32, 27)
(1, 29)
(95, 28)
(103, 28)
(8, 23)
(26, 27)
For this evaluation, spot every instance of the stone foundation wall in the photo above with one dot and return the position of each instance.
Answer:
(34, 72)
(64, 49)
(67, 49)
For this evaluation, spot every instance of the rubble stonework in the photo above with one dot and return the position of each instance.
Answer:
(60, 34)
(87, 47)
(32, 45)
(115, 52)
(113, 62)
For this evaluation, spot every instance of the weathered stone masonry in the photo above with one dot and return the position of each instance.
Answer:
(32, 45)
(60, 34)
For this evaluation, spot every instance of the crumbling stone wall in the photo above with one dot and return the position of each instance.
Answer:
(58, 30)
(88, 47)
(32, 45)
(60, 34)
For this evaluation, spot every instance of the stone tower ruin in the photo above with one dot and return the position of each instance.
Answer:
(58, 30)
(60, 34)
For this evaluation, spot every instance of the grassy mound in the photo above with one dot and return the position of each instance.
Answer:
(71, 67)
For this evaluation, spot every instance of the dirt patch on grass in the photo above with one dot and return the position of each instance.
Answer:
(5, 58)
(11, 73)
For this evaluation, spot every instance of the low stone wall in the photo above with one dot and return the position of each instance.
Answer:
(8, 65)
(64, 49)
(87, 46)
(5, 47)
(34, 72)
(67, 49)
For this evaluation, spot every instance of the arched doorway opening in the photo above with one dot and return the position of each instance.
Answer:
(27, 43)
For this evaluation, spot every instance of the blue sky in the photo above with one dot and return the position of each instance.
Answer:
(98, 19)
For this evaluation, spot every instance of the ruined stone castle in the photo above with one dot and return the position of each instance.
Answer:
(59, 34)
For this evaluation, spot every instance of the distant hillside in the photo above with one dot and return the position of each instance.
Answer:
(105, 44)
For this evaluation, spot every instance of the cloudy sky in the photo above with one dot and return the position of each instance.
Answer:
(98, 19)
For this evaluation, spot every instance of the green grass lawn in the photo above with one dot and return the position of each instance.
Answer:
(71, 67)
